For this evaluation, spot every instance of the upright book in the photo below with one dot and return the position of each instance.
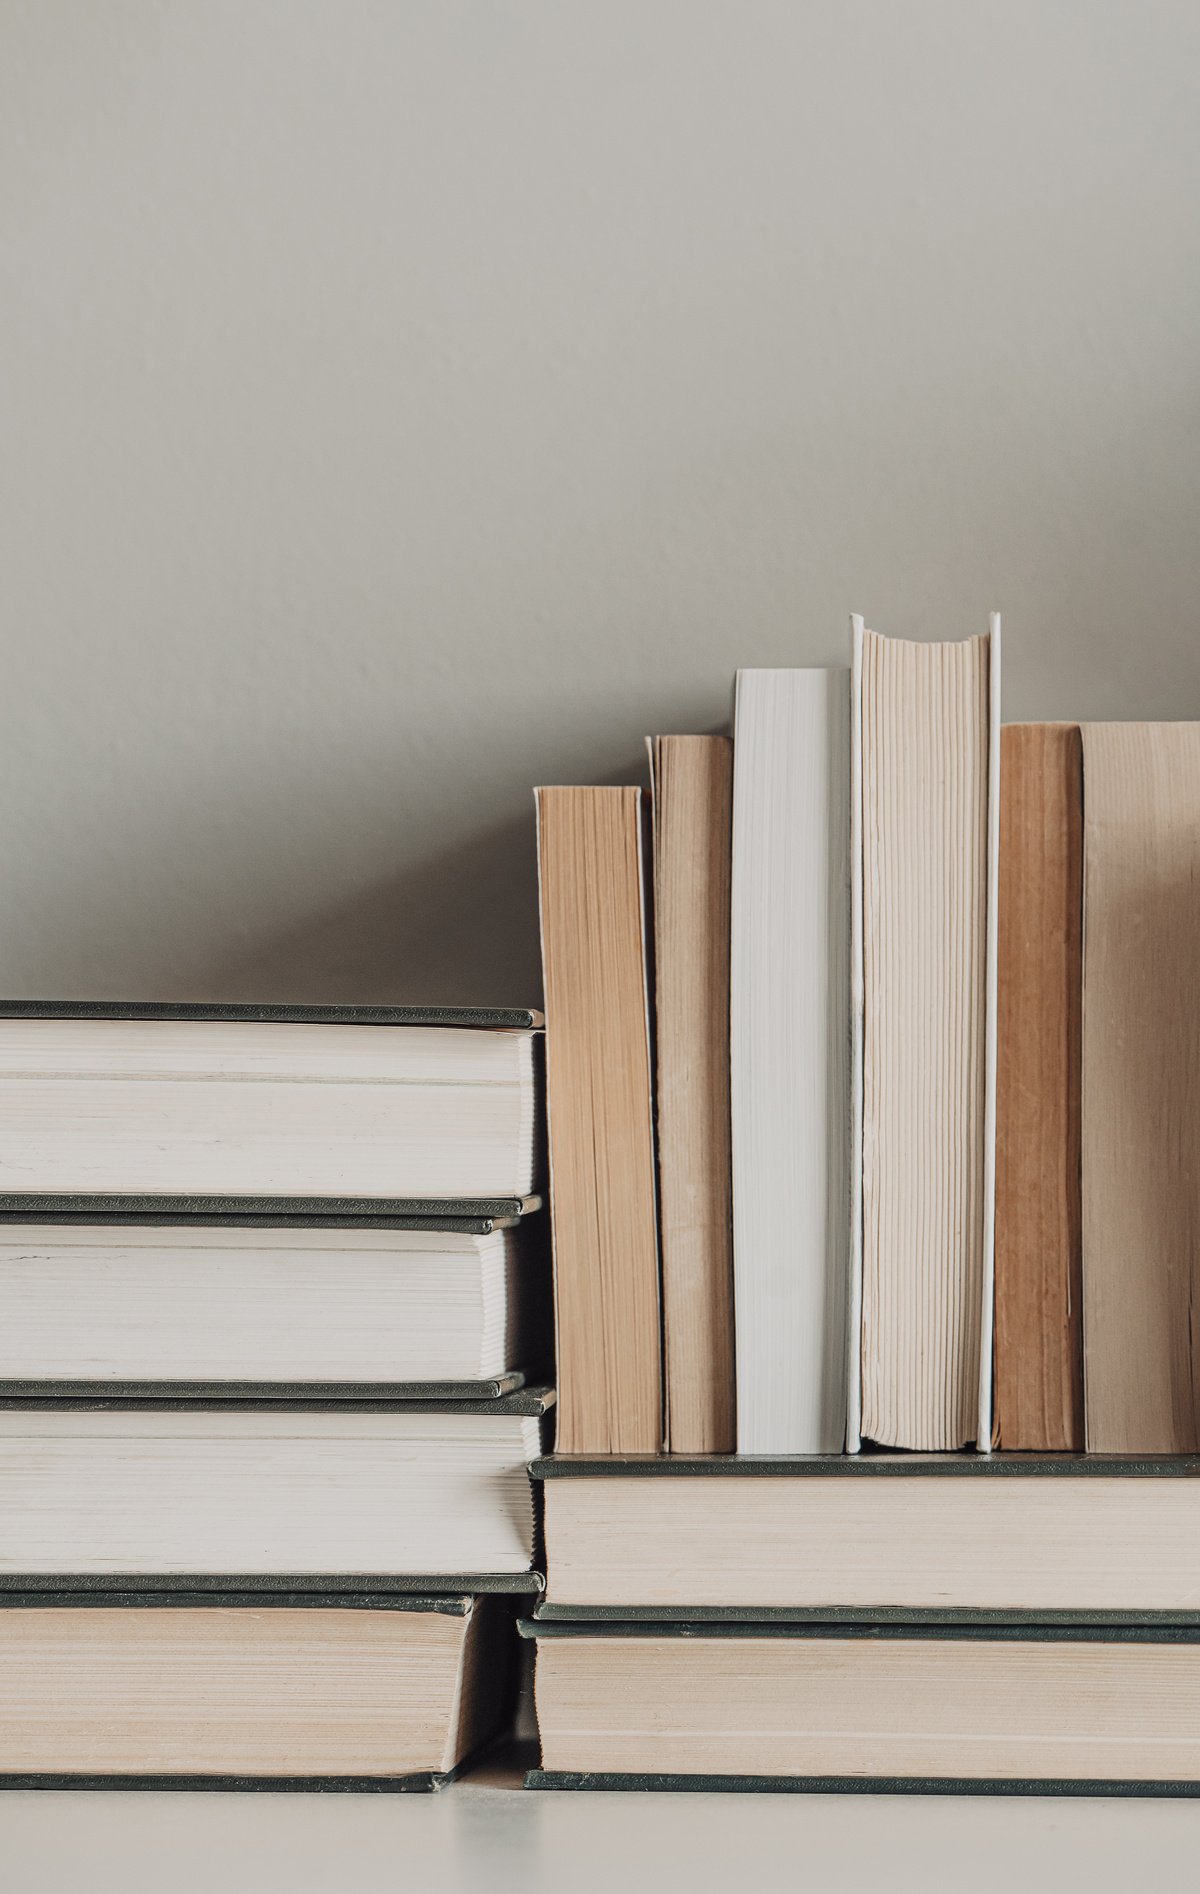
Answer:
(1039, 1315)
(790, 1057)
(692, 801)
(598, 1100)
(266, 1105)
(927, 833)
(1141, 1086)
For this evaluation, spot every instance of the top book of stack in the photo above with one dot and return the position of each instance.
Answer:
(422, 1113)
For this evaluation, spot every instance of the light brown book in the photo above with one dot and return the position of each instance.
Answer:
(265, 1687)
(1039, 1321)
(1141, 1086)
(602, 1186)
(693, 812)
(928, 838)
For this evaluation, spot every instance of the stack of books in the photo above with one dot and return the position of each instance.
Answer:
(873, 1063)
(270, 1331)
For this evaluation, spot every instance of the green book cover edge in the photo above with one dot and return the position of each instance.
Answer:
(560, 1466)
(860, 1785)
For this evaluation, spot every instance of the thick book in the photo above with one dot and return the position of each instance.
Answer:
(340, 1307)
(101, 1104)
(692, 804)
(790, 1057)
(1141, 1086)
(1039, 1209)
(929, 1534)
(603, 1202)
(234, 1691)
(927, 830)
(889, 1708)
(97, 1488)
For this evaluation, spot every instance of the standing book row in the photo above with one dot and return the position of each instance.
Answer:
(271, 1338)
(897, 1023)
(871, 1075)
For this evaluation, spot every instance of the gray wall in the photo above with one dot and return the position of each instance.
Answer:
(404, 404)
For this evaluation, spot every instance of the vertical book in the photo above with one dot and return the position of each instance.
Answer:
(1141, 1086)
(598, 1102)
(1039, 1321)
(693, 796)
(928, 723)
(790, 1057)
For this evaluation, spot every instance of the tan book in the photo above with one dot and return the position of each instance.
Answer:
(726, 1706)
(1039, 1320)
(693, 809)
(1141, 1086)
(261, 1687)
(602, 1185)
(929, 761)
(865, 1534)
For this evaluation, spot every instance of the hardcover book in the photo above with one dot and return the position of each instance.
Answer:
(883, 1708)
(269, 1691)
(102, 1105)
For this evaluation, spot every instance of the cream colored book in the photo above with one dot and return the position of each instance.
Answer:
(604, 1209)
(790, 1057)
(847, 1708)
(186, 1691)
(925, 974)
(692, 801)
(1141, 1086)
(1063, 1536)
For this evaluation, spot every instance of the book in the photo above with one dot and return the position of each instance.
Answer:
(344, 1306)
(1039, 1208)
(1141, 1083)
(996, 1709)
(271, 1691)
(257, 1103)
(790, 1057)
(692, 804)
(93, 1487)
(603, 1201)
(928, 766)
(872, 1533)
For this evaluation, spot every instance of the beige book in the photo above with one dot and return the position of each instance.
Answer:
(263, 1689)
(1039, 1320)
(885, 1531)
(849, 1709)
(602, 1184)
(1141, 1086)
(929, 764)
(693, 803)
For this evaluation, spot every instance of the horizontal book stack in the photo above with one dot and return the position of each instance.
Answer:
(871, 1096)
(271, 1289)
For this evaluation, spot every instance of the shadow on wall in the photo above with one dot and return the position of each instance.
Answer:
(460, 929)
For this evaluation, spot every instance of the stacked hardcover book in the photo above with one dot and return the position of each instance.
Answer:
(270, 1338)
(873, 1063)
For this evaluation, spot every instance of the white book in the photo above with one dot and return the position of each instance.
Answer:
(790, 1057)
(100, 1305)
(184, 1101)
(223, 1489)
(925, 774)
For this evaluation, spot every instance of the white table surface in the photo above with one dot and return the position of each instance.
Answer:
(489, 1834)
